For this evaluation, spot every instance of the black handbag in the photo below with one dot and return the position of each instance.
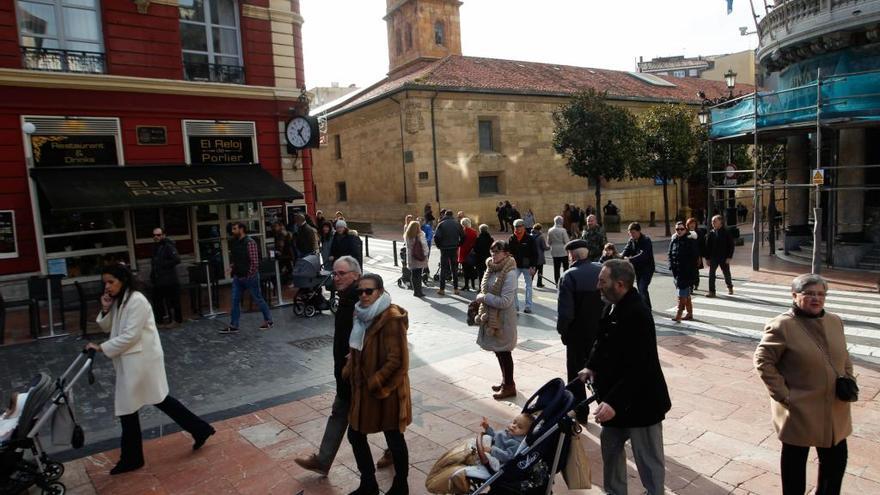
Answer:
(845, 388)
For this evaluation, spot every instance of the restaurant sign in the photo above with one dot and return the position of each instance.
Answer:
(218, 150)
(59, 151)
(160, 187)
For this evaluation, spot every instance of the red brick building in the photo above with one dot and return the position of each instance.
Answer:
(97, 93)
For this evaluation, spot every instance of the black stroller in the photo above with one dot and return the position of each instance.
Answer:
(310, 279)
(405, 280)
(46, 399)
(544, 451)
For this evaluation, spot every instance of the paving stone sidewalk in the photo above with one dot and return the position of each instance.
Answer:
(718, 437)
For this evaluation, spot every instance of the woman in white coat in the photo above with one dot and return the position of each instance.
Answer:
(137, 356)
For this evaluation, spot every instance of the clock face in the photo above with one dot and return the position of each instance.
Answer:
(299, 132)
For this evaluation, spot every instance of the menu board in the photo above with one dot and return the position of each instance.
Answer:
(8, 243)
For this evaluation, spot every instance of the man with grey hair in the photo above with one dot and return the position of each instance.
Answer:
(346, 273)
(595, 236)
(625, 369)
(579, 307)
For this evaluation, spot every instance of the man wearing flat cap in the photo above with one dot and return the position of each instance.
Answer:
(579, 308)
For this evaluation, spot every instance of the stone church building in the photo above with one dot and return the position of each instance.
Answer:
(465, 132)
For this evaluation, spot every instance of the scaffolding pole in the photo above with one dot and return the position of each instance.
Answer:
(817, 211)
(756, 206)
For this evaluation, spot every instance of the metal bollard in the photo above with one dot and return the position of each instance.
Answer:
(394, 250)
(367, 244)
(281, 301)
(211, 314)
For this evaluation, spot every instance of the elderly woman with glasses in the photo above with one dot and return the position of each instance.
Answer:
(378, 366)
(497, 314)
(683, 254)
(802, 358)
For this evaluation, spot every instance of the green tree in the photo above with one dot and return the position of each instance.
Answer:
(670, 147)
(598, 140)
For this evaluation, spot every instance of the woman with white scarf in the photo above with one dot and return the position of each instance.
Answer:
(378, 367)
(497, 314)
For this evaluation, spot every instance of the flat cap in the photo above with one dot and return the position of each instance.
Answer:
(576, 244)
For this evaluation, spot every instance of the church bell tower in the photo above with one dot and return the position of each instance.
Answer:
(421, 30)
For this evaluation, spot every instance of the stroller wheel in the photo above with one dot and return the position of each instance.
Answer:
(53, 470)
(299, 308)
(334, 304)
(310, 311)
(54, 488)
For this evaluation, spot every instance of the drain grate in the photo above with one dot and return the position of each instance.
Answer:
(313, 343)
(532, 345)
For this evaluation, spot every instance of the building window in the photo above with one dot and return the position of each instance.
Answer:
(61, 35)
(408, 36)
(439, 33)
(211, 41)
(423, 176)
(337, 146)
(487, 137)
(408, 156)
(489, 185)
(341, 192)
(399, 39)
(174, 221)
(693, 73)
(678, 73)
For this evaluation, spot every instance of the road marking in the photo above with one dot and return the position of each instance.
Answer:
(842, 295)
(777, 308)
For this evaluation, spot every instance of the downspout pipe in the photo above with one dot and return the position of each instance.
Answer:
(434, 149)
(402, 152)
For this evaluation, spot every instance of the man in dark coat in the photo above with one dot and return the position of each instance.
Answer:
(625, 370)
(640, 252)
(524, 250)
(719, 248)
(579, 307)
(163, 276)
(448, 236)
(306, 240)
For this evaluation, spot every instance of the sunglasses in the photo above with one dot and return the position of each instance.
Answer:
(360, 292)
(680, 229)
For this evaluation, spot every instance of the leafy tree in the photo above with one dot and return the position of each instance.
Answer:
(670, 147)
(598, 140)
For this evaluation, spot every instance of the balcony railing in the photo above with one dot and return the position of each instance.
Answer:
(232, 74)
(51, 59)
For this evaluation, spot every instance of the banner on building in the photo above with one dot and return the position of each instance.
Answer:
(61, 151)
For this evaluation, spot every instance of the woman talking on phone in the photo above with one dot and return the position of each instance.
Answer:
(137, 356)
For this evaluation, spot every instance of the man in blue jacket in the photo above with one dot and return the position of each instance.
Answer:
(640, 252)
(626, 374)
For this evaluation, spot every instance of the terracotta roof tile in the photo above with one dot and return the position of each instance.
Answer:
(460, 73)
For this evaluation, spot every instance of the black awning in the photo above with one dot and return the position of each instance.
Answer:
(71, 189)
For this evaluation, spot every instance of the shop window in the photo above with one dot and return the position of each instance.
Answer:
(489, 185)
(211, 40)
(341, 192)
(61, 35)
(439, 33)
(174, 222)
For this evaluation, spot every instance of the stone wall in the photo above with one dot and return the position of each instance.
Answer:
(376, 141)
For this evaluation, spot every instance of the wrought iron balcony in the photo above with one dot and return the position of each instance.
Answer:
(794, 30)
(51, 59)
(233, 74)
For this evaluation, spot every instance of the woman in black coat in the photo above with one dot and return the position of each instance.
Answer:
(683, 254)
(481, 250)
(693, 226)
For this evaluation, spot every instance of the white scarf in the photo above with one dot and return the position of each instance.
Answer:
(363, 318)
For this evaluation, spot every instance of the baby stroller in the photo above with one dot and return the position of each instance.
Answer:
(405, 280)
(47, 404)
(310, 279)
(544, 450)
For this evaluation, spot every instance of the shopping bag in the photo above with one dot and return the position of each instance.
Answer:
(577, 467)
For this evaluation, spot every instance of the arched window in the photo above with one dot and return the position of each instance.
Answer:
(408, 36)
(439, 33)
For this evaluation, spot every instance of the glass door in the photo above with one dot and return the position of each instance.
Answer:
(212, 234)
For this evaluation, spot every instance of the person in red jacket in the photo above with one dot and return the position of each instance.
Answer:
(466, 255)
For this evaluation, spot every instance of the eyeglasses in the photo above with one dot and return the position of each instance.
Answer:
(340, 274)
(814, 295)
(369, 292)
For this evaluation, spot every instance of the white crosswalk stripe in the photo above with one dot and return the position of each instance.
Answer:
(744, 314)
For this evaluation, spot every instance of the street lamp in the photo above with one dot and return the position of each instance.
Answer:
(730, 80)
(703, 116)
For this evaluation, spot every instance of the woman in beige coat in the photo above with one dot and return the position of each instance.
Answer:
(497, 314)
(139, 362)
(800, 357)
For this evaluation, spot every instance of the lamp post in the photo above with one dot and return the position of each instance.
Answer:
(730, 80)
(703, 117)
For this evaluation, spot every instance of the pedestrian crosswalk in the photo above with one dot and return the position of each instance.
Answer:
(745, 313)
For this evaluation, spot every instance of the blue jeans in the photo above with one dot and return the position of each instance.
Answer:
(252, 284)
(527, 275)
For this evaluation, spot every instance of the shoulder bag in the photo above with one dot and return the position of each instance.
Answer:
(845, 388)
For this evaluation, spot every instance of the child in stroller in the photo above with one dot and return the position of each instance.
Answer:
(309, 281)
(405, 280)
(529, 469)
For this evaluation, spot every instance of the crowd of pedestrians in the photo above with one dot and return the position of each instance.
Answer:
(603, 317)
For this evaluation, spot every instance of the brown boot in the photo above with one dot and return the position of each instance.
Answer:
(689, 306)
(730, 290)
(497, 388)
(506, 392)
(385, 461)
(677, 316)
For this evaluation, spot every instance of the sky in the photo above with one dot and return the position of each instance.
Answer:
(345, 41)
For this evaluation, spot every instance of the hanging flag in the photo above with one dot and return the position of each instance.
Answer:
(729, 6)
